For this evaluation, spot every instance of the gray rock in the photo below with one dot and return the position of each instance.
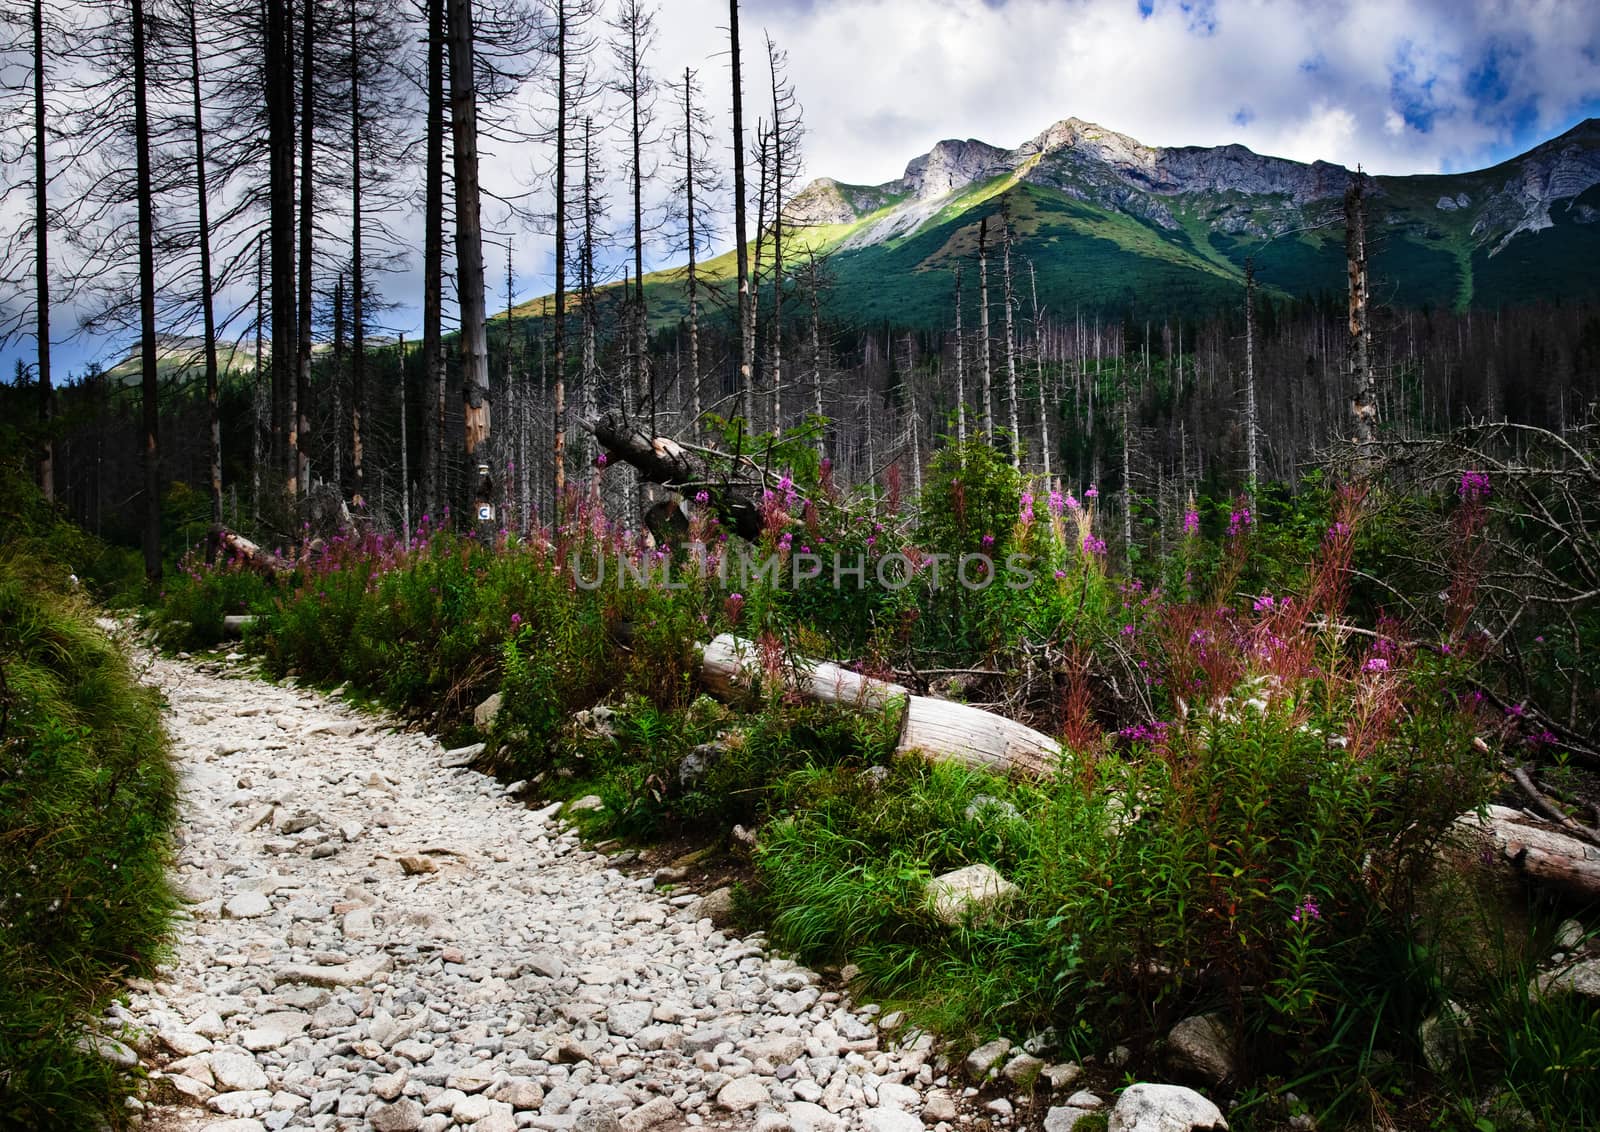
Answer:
(973, 890)
(981, 1061)
(597, 1120)
(716, 906)
(235, 1070)
(890, 1120)
(1443, 1037)
(655, 1111)
(587, 804)
(357, 972)
(743, 1093)
(1022, 1070)
(1063, 1118)
(1163, 1108)
(1001, 1107)
(628, 1018)
(402, 1116)
(1580, 978)
(938, 1105)
(805, 1116)
(699, 762)
(484, 715)
(1203, 1045)
(246, 906)
(1063, 1075)
(461, 756)
(109, 1050)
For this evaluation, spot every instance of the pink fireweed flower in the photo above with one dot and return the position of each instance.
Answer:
(1473, 486)
(1191, 522)
(1093, 545)
(988, 541)
(1027, 507)
(702, 497)
(1238, 521)
(733, 606)
(1306, 912)
(516, 621)
(1376, 664)
(601, 460)
(1092, 493)
(1058, 502)
(1263, 604)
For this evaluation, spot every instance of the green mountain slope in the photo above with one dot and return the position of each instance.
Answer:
(1111, 225)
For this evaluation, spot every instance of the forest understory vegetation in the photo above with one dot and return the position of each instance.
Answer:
(87, 803)
(1269, 733)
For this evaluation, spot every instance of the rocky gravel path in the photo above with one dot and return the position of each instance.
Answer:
(379, 940)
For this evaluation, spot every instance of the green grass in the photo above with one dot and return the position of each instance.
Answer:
(87, 797)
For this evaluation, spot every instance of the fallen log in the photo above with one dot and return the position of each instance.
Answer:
(663, 461)
(221, 541)
(940, 730)
(1537, 851)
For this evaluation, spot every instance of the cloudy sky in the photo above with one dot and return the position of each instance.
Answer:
(1396, 85)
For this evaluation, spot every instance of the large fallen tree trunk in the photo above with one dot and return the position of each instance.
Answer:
(939, 729)
(1538, 852)
(663, 461)
(221, 542)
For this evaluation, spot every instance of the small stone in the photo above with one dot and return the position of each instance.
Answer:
(402, 1116)
(743, 1093)
(716, 906)
(938, 1105)
(246, 906)
(628, 1018)
(235, 1071)
(982, 1060)
(461, 756)
(806, 1116)
(1022, 1070)
(1063, 1118)
(1000, 1107)
(589, 803)
(416, 865)
(1063, 1075)
(890, 1120)
(648, 1115)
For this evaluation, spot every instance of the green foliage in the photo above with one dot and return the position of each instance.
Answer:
(87, 797)
(971, 494)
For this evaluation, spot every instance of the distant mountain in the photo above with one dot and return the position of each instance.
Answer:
(1111, 224)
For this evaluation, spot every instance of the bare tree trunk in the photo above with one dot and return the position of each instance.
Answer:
(358, 281)
(1251, 425)
(694, 298)
(301, 434)
(983, 329)
(339, 308)
(469, 232)
(433, 268)
(559, 446)
(149, 389)
(1127, 472)
(747, 341)
(961, 369)
(763, 139)
(1363, 404)
(257, 402)
(279, 73)
(207, 312)
(816, 358)
(405, 459)
(1011, 353)
(1038, 349)
(41, 258)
